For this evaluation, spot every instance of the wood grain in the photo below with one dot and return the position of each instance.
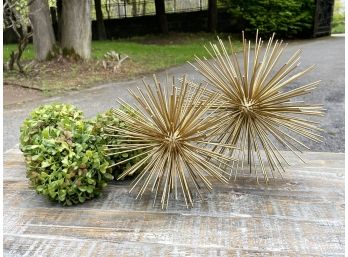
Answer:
(301, 215)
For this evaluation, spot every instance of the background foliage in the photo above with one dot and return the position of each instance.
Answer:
(338, 22)
(285, 17)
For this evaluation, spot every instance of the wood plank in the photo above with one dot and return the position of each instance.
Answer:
(301, 215)
(194, 230)
(38, 247)
(222, 201)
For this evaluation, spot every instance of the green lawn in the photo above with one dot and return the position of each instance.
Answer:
(156, 52)
(147, 54)
(151, 55)
(27, 55)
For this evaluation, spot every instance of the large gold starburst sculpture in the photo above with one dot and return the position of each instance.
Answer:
(260, 109)
(173, 128)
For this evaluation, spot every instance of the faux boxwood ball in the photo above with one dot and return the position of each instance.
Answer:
(47, 115)
(65, 159)
(108, 118)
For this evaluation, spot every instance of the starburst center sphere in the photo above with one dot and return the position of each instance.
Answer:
(173, 138)
(246, 107)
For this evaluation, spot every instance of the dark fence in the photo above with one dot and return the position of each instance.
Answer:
(194, 21)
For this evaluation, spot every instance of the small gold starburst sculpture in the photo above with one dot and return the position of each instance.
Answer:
(173, 128)
(261, 110)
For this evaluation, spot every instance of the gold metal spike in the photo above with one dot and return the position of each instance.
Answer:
(174, 130)
(259, 108)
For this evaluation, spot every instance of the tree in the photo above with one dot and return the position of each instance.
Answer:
(212, 15)
(107, 8)
(14, 19)
(134, 8)
(43, 35)
(144, 8)
(76, 27)
(161, 16)
(59, 6)
(100, 20)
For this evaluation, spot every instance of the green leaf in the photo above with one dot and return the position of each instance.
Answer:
(62, 194)
(65, 145)
(46, 132)
(108, 176)
(43, 174)
(90, 189)
(32, 147)
(82, 188)
(89, 153)
(91, 181)
(40, 188)
(82, 199)
(52, 193)
(89, 174)
(45, 164)
(65, 161)
(84, 159)
(35, 157)
(103, 167)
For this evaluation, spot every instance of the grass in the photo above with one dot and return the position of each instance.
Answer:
(28, 53)
(147, 54)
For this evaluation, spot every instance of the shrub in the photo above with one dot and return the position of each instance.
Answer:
(100, 123)
(287, 18)
(64, 155)
(47, 115)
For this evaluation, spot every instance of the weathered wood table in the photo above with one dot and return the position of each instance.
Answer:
(301, 215)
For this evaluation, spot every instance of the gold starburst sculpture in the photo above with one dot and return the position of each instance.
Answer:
(260, 109)
(173, 128)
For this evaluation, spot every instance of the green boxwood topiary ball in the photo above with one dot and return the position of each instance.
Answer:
(65, 158)
(47, 115)
(108, 118)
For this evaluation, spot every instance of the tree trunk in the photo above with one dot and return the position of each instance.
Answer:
(54, 18)
(59, 5)
(134, 8)
(77, 27)
(212, 15)
(100, 20)
(144, 8)
(43, 35)
(161, 16)
(107, 8)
